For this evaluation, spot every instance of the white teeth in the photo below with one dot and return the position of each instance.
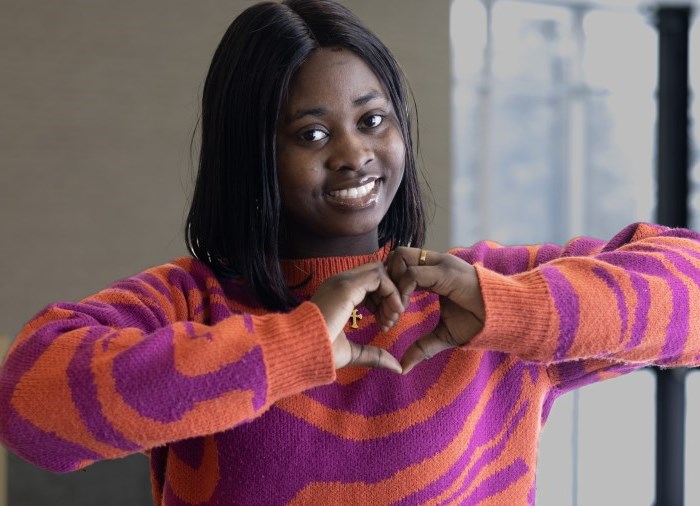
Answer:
(354, 193)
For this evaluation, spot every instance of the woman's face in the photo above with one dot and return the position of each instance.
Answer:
(340, 157)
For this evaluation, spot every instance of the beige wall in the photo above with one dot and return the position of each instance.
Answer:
(98, 101)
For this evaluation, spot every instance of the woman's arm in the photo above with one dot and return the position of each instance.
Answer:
(587, 308)
(632, 300)
(137, 366)
(168, 355)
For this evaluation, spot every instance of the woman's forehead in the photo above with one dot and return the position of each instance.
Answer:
(331, 76)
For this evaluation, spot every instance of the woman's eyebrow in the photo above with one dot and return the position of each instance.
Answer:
(370, 95)
(316, 112)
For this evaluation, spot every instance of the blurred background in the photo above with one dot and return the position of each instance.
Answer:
(537, 123)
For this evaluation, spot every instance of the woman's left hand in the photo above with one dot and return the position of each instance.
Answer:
(462, 311)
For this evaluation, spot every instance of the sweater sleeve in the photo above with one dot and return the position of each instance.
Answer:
(138, 365)
(593, 310)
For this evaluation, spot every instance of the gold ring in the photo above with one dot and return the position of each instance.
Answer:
(423, 256)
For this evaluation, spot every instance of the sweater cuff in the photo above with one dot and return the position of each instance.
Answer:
(518, 315)
(297, 350)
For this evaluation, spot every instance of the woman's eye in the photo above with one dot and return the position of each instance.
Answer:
(372, 121)
(314, 135)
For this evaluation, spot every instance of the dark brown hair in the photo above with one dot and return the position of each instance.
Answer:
(234, 218)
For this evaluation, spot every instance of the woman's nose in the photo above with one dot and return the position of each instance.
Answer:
(350, 151)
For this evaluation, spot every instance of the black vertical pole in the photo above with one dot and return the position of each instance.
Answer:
(672, 121)
(672, 210)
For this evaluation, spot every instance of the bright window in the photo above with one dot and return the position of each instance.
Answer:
(554, 126)
(554, 118)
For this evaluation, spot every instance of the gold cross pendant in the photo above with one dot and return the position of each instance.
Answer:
(355, 316)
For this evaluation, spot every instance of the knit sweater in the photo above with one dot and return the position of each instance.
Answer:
(237, 405)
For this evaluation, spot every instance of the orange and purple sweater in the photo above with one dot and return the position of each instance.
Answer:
(237, 405)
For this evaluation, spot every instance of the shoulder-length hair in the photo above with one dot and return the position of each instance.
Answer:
(234, 219)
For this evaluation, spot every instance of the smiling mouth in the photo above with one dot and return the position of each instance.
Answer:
(357, 198)
(354, 193)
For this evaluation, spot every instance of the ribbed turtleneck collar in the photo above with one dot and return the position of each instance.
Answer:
(317, 270)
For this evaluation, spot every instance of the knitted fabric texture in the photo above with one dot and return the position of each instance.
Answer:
(237, 405)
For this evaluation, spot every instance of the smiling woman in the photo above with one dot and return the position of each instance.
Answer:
(340, 157)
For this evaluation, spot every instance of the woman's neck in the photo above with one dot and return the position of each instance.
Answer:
(330, 247)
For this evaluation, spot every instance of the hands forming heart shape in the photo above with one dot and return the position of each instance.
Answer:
(385, 288)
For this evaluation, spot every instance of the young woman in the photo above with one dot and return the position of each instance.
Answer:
(230, 369)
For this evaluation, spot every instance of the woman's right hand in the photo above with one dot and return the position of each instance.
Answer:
(339, 295)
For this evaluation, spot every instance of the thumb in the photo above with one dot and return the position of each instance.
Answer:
(372, 356)
(346, 353)
(427, 347)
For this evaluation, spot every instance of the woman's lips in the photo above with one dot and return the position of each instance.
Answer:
(355, 198)
(353, 193)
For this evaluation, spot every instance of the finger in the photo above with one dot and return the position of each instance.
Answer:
(406, 258)
(342, 351)
(387, 301)
(415, 278)
(388, 315)
(373, 301)
(401, 259)
(385, 317)
(395, 263)
(426, 348)
(388, 294)
(410, 257)
(340, 295)
(374, 357)
(373, 279)
(436, 278)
